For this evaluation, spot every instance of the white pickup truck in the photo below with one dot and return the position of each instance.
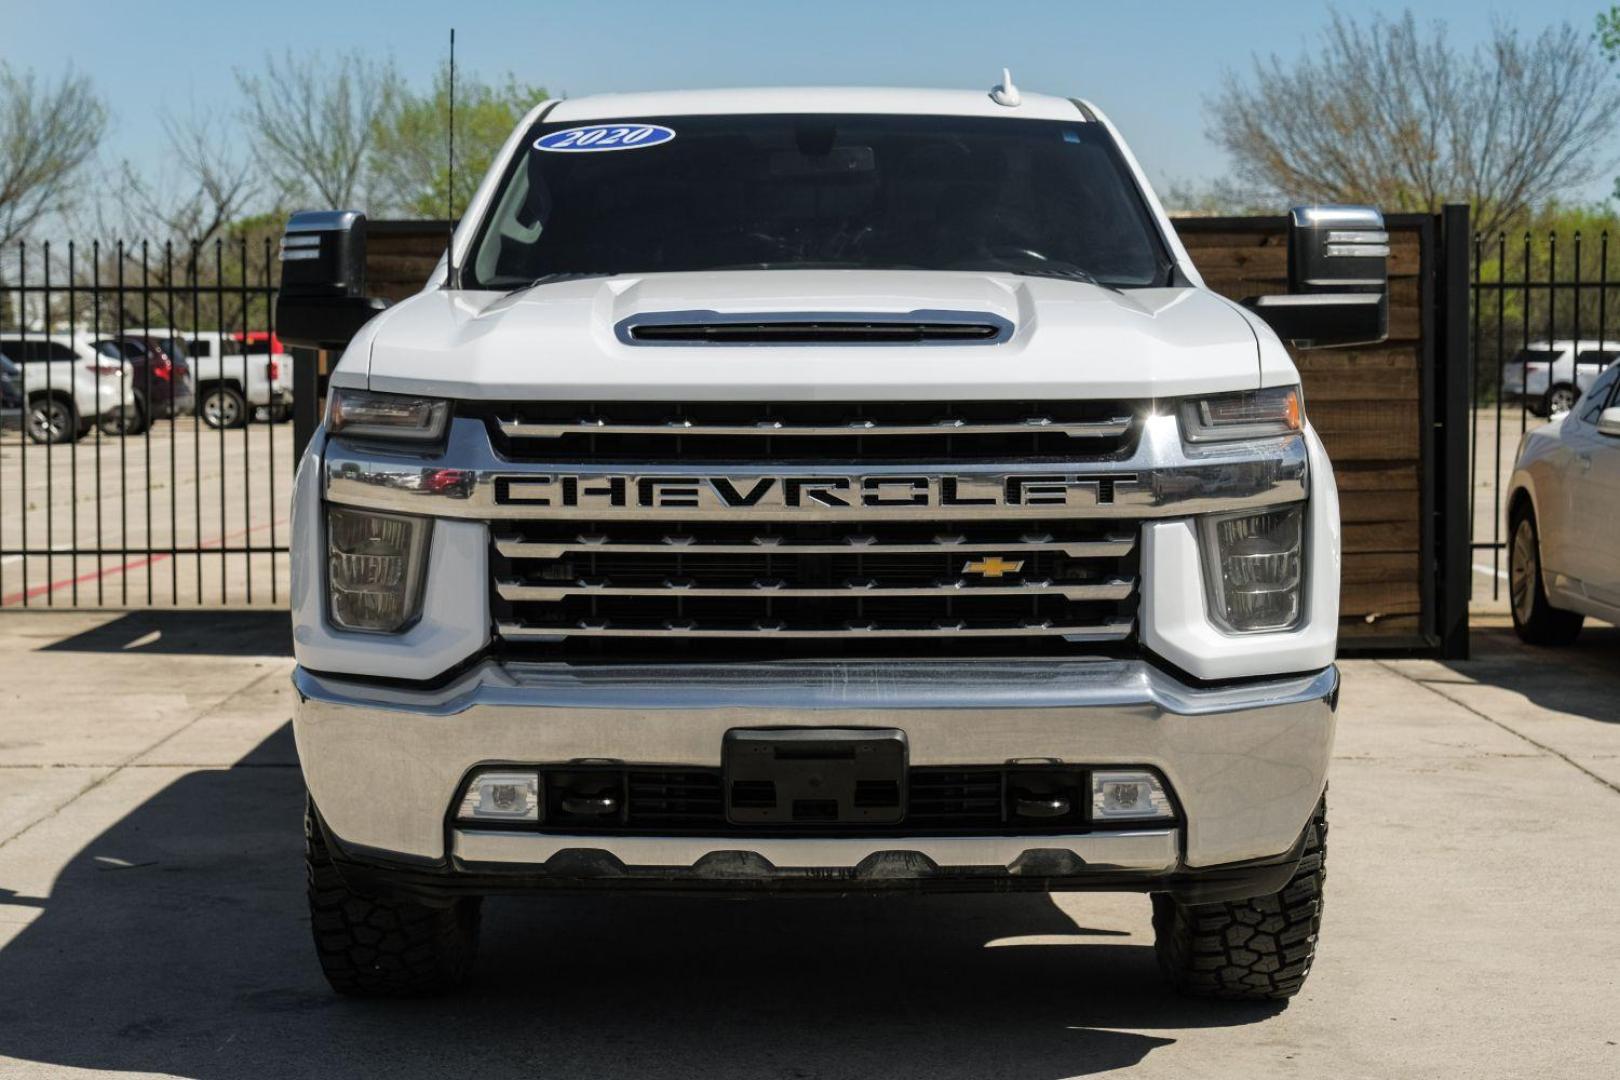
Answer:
(234, 380)
(822, 490)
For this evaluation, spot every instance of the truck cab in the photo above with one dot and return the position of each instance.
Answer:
(818, 490)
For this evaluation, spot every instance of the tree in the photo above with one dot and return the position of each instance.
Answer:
(211, 186)
(1384, 112)
(48, 134)
(313, 121)
(410, 152)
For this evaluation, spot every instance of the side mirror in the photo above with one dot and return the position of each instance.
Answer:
(1609, 422)
(1338, 279)
(323, 301)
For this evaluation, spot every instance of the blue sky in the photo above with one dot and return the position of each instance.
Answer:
(1147, 64)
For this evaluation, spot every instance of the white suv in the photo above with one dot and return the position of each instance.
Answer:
(67, 385)
(1549, 376)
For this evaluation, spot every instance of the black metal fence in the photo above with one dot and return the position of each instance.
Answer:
(1543, 326)
(142, 458)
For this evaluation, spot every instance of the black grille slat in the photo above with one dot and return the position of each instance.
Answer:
(674, 798)
(594, 588)
(899, 431)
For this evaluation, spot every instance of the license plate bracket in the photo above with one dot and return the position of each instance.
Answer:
(815, 776)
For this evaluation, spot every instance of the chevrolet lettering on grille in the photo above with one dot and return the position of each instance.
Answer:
(887, 494)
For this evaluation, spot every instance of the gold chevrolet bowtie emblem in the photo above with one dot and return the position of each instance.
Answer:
(994, 566)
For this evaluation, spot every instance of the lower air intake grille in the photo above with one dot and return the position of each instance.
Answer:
(666, 800)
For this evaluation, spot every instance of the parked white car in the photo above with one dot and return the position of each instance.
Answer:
(66, 385)
(1563, 517)
(235, 379)
(1549, 376)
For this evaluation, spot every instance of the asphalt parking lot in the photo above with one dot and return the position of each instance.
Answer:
(174, 512)
(152, 919)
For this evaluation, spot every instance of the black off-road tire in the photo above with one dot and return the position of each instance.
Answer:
(375, 947)
(1258, 949)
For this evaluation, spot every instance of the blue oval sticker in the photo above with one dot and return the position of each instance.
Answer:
(598, 138)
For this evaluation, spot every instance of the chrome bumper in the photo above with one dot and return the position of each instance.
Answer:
(1246, 763)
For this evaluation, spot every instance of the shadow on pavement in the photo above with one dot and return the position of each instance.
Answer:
(1582, 679)
(209, 633)
(176, 943)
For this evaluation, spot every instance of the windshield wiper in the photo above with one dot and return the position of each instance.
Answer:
(562, 275)
(1068, 273)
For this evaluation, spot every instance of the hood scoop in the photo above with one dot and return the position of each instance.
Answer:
(804, 328)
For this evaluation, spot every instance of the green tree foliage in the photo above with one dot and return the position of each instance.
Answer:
(1566, 244)
(48, 136)
(410, 160)
(1388, 112)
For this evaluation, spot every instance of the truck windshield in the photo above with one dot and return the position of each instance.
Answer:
(871, 192)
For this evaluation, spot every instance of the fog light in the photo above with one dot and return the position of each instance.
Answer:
(1128, 796)
(501, 796)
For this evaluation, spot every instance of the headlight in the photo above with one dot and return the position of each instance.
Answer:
(363, 414)
(1248, 414)
(375, 566)
(1253, 563)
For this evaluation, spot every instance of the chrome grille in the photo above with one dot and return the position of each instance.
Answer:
(817, 587)
(939, 433)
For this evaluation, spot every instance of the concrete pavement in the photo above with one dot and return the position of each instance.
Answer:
(151, 914)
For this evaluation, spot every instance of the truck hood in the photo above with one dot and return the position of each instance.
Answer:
(1067, 340)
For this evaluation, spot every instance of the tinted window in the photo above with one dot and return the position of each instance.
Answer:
(1596, 357)
(1534, 356)
(840, 192)
(199, 347)
(36, 349)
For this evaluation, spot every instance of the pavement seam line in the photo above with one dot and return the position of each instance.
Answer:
(1543, 747)
(131, 759)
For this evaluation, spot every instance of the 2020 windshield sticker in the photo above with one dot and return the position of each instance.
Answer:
(598, 138)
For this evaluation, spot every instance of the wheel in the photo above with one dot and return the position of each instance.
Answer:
(375, 947)
(223, 407)
(1560, 399)
(1535, 620)
(52, 420)
(1258, 949)
(122, 421)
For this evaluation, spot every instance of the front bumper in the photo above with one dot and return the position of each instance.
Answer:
(1246, 764)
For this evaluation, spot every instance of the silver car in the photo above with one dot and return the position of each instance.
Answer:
(1563, 518)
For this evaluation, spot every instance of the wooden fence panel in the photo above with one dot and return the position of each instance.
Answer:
(1366, 403)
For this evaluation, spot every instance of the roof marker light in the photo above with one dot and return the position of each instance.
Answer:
(1006, 93)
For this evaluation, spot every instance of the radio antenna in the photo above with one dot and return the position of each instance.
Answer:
(451, 278)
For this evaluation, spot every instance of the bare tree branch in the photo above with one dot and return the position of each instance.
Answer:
(48, 133)
(1388, 113)
(213, 187)
(313, 122)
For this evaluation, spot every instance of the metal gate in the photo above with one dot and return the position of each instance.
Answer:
(142, 457)
(1542, 308)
